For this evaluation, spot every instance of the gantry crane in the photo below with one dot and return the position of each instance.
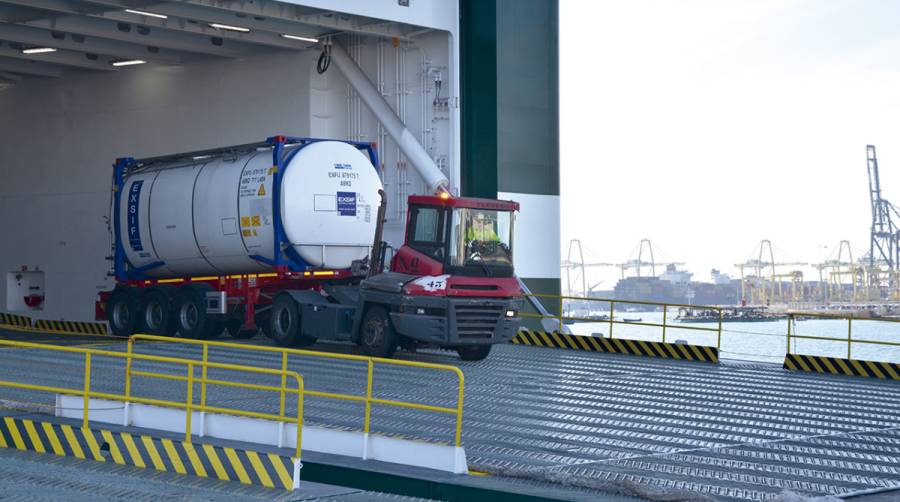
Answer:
(639, 263)
(576, 270)
(835, 272)
(884, 240)
(763, 286)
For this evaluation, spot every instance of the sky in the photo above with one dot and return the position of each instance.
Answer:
(709, 125)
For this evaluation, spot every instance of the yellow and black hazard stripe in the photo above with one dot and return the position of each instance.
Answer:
(18, 321)
(617, 345)
(203, 460)
(840, 366)
(69, 327)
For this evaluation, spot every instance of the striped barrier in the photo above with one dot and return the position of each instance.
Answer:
(202, 460)
(69, 327)
(617, 345)
(18, 321)
(841, 366)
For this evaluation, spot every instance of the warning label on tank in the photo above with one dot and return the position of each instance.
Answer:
(346, 203)
(134, 220)
(253, 182)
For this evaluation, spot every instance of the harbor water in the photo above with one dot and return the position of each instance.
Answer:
(759, 341)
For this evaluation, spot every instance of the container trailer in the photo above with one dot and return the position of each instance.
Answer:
(285, 236)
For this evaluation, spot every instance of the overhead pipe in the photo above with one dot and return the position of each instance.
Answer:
(418, 157)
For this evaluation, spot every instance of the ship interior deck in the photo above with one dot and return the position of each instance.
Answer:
(585, 422)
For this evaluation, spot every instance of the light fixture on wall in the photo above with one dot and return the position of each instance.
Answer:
(145, 13)
(128, 62)
(228, 27)
(38, 50)
(298, 37)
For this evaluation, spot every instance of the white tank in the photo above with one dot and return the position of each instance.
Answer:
(212, 217)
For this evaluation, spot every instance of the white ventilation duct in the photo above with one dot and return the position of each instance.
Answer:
(418, 157)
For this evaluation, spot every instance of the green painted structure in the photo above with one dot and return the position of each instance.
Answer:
(510, 107)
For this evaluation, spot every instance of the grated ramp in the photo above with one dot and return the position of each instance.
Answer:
(744, 431)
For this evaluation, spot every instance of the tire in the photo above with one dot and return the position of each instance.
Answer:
(156, 315)
(190, 313)
(123, 311)
(233, 326)
(284, 322)
(376, 333)
(474, 352)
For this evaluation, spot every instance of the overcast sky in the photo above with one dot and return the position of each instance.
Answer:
(708, 125)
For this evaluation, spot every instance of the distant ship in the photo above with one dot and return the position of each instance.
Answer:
(729, 314)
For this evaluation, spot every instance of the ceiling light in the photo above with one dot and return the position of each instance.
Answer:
(129, 62)
(228, 27)
(38, 50)
(145, 13)
(302, 39)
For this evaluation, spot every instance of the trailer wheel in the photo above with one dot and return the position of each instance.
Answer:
(284, 322)
(474, 353)
(377, 335)
(123, 307)
(190, 309)
(156, 316)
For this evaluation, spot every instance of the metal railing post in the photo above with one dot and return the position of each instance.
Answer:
(128, 369)
(849, 335)
(459, 408)
(665, 309)
(301, 390)
(790, 321)
(719, 339)
(87, 388)
(611, 306)
(284, 358)
(189, 401)
(203, 375)
(560, 319)
(368, 418)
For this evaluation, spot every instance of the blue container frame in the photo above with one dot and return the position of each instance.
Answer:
(284, 148)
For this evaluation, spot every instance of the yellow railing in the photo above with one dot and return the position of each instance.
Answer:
(611, 320)
(368, 399)
(188, 404)
(849, 340)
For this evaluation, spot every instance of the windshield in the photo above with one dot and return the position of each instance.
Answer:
(481, 238)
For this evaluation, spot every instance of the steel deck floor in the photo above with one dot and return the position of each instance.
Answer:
(730, 431)
(29, 476)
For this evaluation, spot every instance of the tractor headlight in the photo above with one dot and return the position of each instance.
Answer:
(510, 313)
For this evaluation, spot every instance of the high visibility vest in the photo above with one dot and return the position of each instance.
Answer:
(485, 234)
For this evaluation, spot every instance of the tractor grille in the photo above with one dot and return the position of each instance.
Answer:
(477, 321)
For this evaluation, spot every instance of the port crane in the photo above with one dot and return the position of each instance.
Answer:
(576, 270)
(763, 285)
(638, 263)
(840, 275)
(884, 237)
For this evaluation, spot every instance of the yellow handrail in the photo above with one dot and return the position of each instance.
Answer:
(560, 318)
(370, 361)
(188, 404)
(849, 339)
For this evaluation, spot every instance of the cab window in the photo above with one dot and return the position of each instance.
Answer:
(427, 231)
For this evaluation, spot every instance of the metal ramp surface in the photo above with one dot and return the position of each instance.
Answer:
(606, 421)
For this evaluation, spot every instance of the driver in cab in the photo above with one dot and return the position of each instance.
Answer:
(482, 229)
